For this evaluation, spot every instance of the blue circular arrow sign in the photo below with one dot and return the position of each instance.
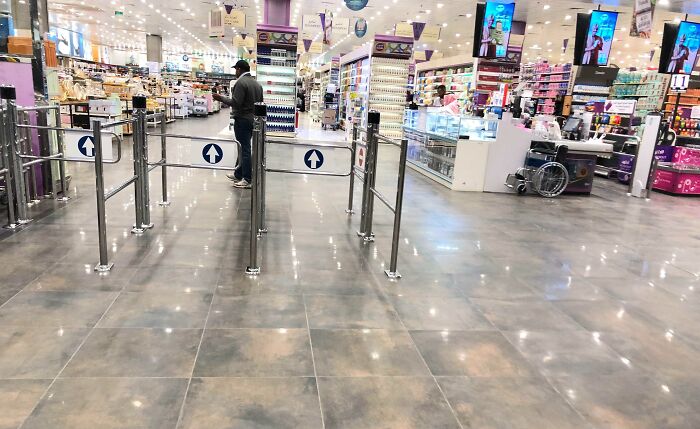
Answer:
(212, 153)
(86, 146)
(313, 159)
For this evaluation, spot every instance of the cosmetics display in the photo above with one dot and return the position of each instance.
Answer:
(354, 77)
(458, 80)
(387, 93)
(647, 88)
(276, 72)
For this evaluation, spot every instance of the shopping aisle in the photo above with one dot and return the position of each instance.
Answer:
(513, 312)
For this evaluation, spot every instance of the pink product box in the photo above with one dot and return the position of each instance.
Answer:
(677, 183)
(686, 156)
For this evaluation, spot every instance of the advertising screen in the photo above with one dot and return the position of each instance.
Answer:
(495, 29)
(599, 38)
(685, 49)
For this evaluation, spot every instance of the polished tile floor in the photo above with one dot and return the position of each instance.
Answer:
(513, 312)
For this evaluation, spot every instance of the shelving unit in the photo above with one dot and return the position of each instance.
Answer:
(647, 88)
(491, 76)
(591, 84)
(456, 73)
(682, 121)
(276, 72)
(545, 82)
(354, 85)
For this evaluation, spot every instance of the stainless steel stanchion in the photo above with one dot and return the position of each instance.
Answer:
(263, 175)
(370, 176)
(140, 128)
(163, 155)
(256, 161)
(61, 146)
(7, 161)
(104, 265)
(9, 95)
(138, 229)
(392, 273)
(353, 159)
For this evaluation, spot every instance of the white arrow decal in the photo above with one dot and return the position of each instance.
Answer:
(314, 160)
(212, 154)
(89, 147)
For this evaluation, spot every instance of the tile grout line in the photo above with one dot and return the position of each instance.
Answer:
(181, 413)
(80, 346)
(313, 361)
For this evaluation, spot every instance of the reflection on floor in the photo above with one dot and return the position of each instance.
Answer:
(513, 312)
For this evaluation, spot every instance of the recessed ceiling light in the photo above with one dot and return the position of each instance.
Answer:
(546, 7)
(567, 17)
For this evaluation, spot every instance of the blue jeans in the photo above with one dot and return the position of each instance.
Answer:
(243, 130)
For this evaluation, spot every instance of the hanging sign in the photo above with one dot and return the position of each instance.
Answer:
(420, 56)
(418, 28)
(564, 45)
(431, 33)
(234, 18)
(642, 18)
(341, 26)
(216, 23)
(356, 4)
(360, 27)
(311, 26)
(403, 29)
(316, 48)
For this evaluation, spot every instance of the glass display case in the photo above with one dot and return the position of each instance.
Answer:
(434, 139)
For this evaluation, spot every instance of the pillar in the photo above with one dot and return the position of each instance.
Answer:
(277, 12)
(154, 48)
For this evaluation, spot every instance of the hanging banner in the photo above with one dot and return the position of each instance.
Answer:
(311, 26)
(356, 4)
(418, 28)
(564, 45)
(651, 55)
(431, 33)
(216, 23)
(360, 27)
(419, 56)
(642, 18)
(403, 29)
(327, 20)
(307, 44)
(316, 48)
(341, 26)
(234, 18)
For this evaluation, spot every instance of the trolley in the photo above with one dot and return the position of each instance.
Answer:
(544, 171)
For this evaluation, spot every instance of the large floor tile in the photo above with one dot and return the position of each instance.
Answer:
(530, 315)
(172, 280)
(258, 311)
(251, 403)
(628, 402)
(470, 353)
(58, 309)
(351, 312)
(513, 403)
(158, 310)
(81, 277)
(254, 353)
(132, 352)
(389, 402)
(17, 400)
(365, 352)
(432, 313)
(110, 403)
(37, 352)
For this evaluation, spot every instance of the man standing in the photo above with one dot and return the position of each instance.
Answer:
(246, 92)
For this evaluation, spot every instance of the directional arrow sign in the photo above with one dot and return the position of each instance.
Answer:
(313, 159)
(86, 146)
(212, 153)
(82, 146)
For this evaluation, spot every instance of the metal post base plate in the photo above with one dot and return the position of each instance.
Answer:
(252, 271)
(62, 199)
(164, 203)
(349, 211)
(392, 275)
(103, 268)
(262, 231)
(23, 221)
(137, 231)
(368, 239)
(148, 226)
(12, 226)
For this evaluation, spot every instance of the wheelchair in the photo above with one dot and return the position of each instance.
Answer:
(544, 171)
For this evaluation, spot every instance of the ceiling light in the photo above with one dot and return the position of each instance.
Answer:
(529, 27)
(440, 5)
(469, 15)
(546, 7)
(444, 24)
(567, 17)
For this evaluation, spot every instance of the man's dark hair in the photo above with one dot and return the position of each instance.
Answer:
(443, 87)
(243, 65)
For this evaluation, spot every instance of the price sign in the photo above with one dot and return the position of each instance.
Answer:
(679, 82)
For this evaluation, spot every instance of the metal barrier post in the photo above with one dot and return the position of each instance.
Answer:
(370, 177)
(256, 161)
(104, 265)
(392, 273)
(164, 170)
(61, 164)
(140, 127)
(25, 143)
(263, 174)
(138, 103)
(9, 94)
(7, 161)
(353, 159)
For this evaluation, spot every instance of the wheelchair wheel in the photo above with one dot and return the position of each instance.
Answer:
(550, 179)
(521, 189)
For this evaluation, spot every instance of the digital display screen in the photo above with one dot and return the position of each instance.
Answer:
(495, 33)
(685, 49)
(599, 38)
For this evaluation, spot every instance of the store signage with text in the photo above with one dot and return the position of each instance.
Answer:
(234, 18)
(431, 33)
(620, 107)
(404, 29)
